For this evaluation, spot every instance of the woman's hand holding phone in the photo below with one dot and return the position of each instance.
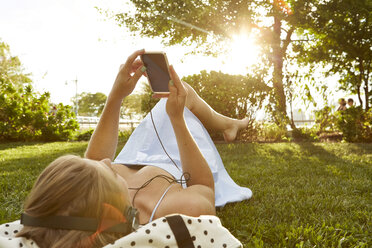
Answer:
(128, 76)
(164, 82)
(177, 96)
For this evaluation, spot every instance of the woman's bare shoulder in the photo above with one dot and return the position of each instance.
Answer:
(195, 200)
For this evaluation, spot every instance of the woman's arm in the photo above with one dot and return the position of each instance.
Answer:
(104, 140)
(192, 159)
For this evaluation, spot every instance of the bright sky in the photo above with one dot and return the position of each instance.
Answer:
(61, 40)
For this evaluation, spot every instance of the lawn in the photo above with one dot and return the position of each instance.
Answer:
(304, 194)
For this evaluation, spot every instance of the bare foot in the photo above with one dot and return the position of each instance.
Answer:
(230, 133)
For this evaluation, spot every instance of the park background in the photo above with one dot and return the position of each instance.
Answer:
(272, 61)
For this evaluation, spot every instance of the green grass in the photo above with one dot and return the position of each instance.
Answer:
(304, 195)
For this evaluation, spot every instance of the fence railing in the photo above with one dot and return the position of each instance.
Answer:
(89, 122)
(304, 122)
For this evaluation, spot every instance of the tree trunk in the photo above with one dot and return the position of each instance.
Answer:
(293, 126)
(278, 69)
(364, 74)
(366, 88)
(366, 93)
(359, 96)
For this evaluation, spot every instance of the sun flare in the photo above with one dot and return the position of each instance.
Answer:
(243, 53)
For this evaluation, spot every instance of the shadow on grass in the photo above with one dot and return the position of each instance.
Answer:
(336, 152)
(316, 150)
(365, 147)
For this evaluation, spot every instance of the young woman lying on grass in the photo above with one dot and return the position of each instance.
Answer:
(85, 187)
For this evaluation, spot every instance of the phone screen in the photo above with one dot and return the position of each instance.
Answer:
(157, 71)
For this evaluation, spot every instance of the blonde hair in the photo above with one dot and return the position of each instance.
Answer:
(71, 186)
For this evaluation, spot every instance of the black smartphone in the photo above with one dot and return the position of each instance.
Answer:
(157, 71)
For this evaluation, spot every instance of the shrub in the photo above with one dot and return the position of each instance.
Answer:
(355, 124)
(84, 135)
(125, 134)
(324, 120)
(28, 116)
(272, 132)
(305, 134)
(87, 134)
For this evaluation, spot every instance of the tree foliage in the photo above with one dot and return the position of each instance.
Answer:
(210, 24)
(26, 114)
(336, 32)
(340, 35)
(91, 104)
(11, 70)
(132, 105)
(159, 19)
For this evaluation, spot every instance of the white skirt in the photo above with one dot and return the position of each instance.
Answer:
(144, 148)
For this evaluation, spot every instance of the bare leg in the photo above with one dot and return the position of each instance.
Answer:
(210, 118)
